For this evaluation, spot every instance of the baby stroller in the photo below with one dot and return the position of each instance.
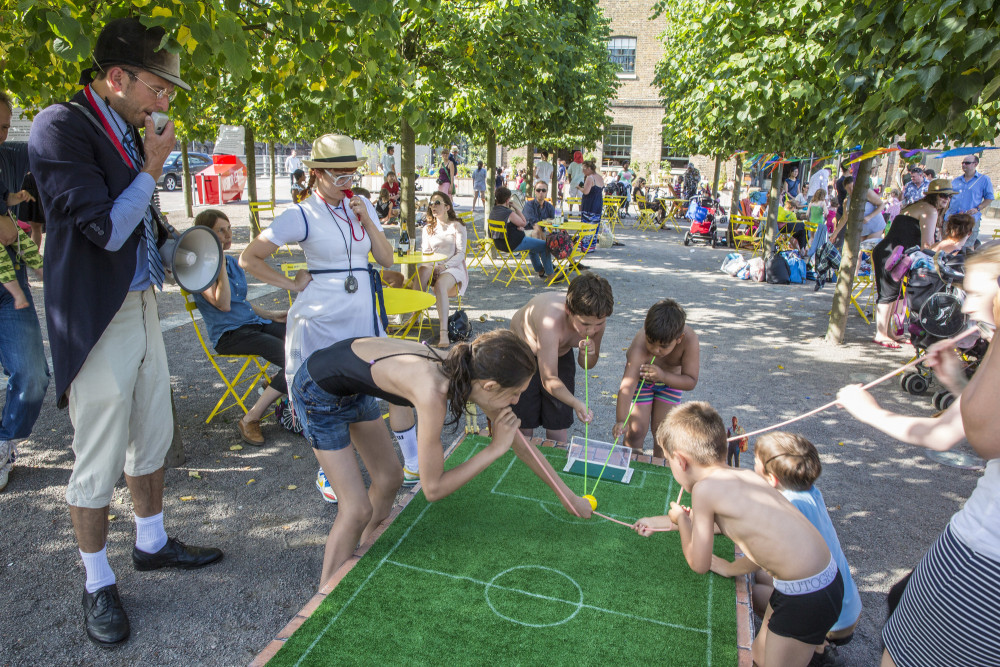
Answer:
(702, 212)
(934, 302)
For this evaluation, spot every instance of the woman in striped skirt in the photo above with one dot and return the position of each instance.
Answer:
(949, 613)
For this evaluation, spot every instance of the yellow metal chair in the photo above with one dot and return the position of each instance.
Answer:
(258, 207)
(498, 229)
(564, 268)
(745, 231)
(240, 385)
(863, 292)
(290, 269)
(647, 216)
(573, 201)
(612, 209)
(478, 247)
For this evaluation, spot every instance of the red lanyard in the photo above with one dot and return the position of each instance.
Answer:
(107, 128)
(347, 218)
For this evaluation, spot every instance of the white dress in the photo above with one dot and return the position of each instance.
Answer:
(450, 241)
(325, 312)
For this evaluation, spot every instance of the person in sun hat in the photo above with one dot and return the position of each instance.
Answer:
(914, 226)
(96, 176)
(340, 293)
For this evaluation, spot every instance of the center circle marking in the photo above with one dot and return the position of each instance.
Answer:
(578, 604)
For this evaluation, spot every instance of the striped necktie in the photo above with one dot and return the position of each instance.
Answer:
(156, 273)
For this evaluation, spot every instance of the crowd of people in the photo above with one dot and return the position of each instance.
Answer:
(96, 176)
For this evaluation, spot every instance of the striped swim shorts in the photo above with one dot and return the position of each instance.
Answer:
(661, 392)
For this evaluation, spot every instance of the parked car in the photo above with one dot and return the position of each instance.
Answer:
(173, 169)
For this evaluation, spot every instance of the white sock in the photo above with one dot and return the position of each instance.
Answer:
(149, 534)
(408, 444)
(99, 572)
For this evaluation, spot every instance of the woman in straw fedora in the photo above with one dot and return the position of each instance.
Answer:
(339, 294)
(914, 226)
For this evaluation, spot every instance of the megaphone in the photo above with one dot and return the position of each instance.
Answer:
(194, 257)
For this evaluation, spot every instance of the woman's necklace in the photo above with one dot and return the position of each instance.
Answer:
(350, 283)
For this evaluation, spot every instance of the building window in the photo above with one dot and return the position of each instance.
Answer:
(621, 51)
(672, 160)
(617, 145)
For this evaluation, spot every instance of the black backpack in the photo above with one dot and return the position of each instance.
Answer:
(776, 270)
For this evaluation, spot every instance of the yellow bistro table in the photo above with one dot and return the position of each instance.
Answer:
(413, 258)
(399, 301)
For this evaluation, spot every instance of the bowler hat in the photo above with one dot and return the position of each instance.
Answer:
(334, 151)
(940, 186)
(127, 41)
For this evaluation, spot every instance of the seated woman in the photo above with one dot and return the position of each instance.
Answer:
(444, 233)
(538, 252)
(956, 231)
(387, 213)
(334, 396)
(641, 197)
(236, 326)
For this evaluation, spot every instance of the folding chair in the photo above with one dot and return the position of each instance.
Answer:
(612, 209)
(250, 372)
(498, 229)
(573, 201)
(746, 230)
(478, 246)
(258, 207)
(647, 216)
(564, 268)
(289, 269)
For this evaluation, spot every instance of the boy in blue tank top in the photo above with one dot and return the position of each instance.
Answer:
(790, 464)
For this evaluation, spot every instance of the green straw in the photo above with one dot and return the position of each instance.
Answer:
(586, 425)
(624, 426)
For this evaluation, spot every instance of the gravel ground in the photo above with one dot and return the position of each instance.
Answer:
(763, 359)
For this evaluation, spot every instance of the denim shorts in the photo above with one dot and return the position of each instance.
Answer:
(326, 418)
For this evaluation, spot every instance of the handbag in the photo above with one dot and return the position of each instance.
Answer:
(559, 243)
(459, 327)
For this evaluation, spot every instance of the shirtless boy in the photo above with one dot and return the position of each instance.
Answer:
(554, 326)
(664, 358)
(808, 589)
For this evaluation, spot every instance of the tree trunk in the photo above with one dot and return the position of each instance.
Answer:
(274, 168)
(849, 258)
(734, 206)
(715, 178)
(773, 202)
(491, 170)
(529, 167)
(407, 164)
(890, 170)
(188, 193)
(248, 148)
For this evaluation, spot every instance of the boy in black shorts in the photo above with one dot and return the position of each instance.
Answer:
(771, 532)
(554, 325)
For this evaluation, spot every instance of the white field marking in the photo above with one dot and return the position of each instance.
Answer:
(362, 585)
(670, 495)
(552, 599)
(491, 584)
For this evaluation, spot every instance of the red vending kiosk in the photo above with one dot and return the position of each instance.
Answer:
(223, 181)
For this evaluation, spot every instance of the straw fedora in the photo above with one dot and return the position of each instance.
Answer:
(334, 151)
(940, 186)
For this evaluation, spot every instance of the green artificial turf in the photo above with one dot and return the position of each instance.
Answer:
(499, 573)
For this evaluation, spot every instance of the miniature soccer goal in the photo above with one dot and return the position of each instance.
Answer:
(592, 455)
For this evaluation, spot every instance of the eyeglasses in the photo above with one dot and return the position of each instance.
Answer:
(437, 203)
(968, 163)
(341, 180)
(540, 190)
(159, 92)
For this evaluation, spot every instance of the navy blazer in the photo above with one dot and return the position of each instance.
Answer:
(80, 174)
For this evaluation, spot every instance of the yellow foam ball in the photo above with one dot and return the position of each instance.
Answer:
(593, 502)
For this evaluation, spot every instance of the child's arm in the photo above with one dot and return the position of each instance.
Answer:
(937, 433)
(651, 524)
(548, 370)
(626, 390)
(724, 568)
(541, 467)
(590, 350)
(687, 379)
(697, 528)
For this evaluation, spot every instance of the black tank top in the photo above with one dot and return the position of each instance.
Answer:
(339, 371)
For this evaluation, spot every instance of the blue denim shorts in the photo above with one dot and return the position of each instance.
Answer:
(326, 418)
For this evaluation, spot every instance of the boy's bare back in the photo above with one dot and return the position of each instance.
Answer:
(541, 323)
(763, 523)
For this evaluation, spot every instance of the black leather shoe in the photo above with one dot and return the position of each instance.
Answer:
(175, 554)
(104, 617)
